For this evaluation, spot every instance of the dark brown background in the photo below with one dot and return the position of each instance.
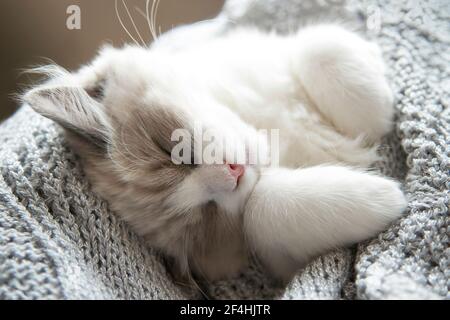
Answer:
(32, 30)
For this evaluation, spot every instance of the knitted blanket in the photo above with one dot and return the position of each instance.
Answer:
(58, 240)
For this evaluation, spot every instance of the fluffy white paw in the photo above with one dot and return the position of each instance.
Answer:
(344, 75)
(385, 199)
(295, 215)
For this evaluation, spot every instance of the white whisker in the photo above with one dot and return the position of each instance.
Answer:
(148, 18)
(154, 13)
(151, 17)
(142, 13)
(139, 10)
(122, 24)
(132, 21)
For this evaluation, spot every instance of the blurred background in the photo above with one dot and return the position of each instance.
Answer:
(32, 31)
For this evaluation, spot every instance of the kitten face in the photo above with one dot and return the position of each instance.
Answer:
(119, 114)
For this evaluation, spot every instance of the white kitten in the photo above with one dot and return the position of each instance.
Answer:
(324, 88)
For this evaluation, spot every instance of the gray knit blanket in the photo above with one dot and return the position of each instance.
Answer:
(58, 240)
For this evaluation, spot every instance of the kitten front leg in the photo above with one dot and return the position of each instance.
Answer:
(344, 75)
(294, 215)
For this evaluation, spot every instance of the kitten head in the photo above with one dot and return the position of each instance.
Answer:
(119, 114)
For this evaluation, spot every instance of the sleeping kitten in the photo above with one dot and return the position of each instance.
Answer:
(324, 88)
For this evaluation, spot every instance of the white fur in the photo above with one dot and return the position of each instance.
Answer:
(325, 88)
(293, 215)
(326, 91)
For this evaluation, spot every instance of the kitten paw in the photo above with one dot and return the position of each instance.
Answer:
(344, 75)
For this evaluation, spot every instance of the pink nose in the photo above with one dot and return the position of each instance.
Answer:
(236, 170)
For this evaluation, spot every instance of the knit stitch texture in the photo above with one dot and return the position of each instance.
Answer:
(58, 240)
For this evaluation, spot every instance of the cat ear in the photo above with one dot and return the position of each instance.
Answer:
(72, 108)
